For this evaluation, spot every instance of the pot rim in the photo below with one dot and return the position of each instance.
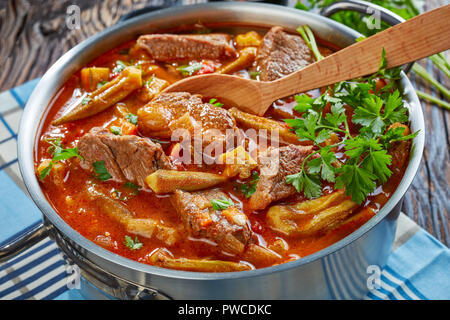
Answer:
(47, 88)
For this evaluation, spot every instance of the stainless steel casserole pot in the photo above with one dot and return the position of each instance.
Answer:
(336, 272)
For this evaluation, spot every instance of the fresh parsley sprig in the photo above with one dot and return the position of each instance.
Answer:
(133, 244)
(249, 188)
(59, 153)
(101, 170)
(366, 160)
(221, 204)
(189, 70)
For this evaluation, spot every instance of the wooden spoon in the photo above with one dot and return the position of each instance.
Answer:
(419, 37)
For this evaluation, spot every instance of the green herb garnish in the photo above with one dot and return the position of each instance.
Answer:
(221, 204)
(214, 102)
(116, 130)
(249, 188)
(58, 152)
(133, 244)
(367, 159)
(101, 171)
(120, 65)
(132, 118)
(189, 70)
(134, 188)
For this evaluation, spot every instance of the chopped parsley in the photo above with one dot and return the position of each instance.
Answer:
(116, 130)
(134, 188)
(120, 65)
(133, 244)
(58, 152)
(366, 154)
(216, 103)
(249, 188)
(101, 171)
(189, 70)
(132, 118)
(221, 204)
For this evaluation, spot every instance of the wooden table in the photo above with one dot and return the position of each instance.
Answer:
(35, 35)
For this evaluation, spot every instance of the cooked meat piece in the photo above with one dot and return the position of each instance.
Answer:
(169, 112)
(227, 228)
(282, 54)
(274, 167)
(161, 116)
(127, 158)
(170, 47)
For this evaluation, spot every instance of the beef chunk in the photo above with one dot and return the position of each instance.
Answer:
(174, 110)
(204, 130)
(127, 158)
(227, 228)
(171, 47)
(274, 168)
(282, 54)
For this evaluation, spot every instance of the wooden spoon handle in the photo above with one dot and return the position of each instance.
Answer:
(419, 37)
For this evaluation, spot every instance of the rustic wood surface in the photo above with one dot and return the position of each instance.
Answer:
(34, 35)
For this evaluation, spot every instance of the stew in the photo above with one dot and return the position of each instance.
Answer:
(187, 182)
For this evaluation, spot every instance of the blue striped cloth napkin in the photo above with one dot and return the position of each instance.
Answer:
(418, 268)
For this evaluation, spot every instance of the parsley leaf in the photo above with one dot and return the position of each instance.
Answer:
(249, 188)
(377, 162)
(116, 130)
(214, 102)
(132, 118)
(189, 70)
(133, 244)
(357, 181)
(305, 128)
(221, 204)
(309, 184)
(133, 187)
(366, 160)
(369, 115)
(395, 134)
(101, 171)
(58, 152)
(120, 65)
(304, 103)
(323, 164)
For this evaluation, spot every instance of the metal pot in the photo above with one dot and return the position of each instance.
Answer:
(338, 271)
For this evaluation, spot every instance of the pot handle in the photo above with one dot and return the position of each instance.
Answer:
(366, 8)
(23, 241)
